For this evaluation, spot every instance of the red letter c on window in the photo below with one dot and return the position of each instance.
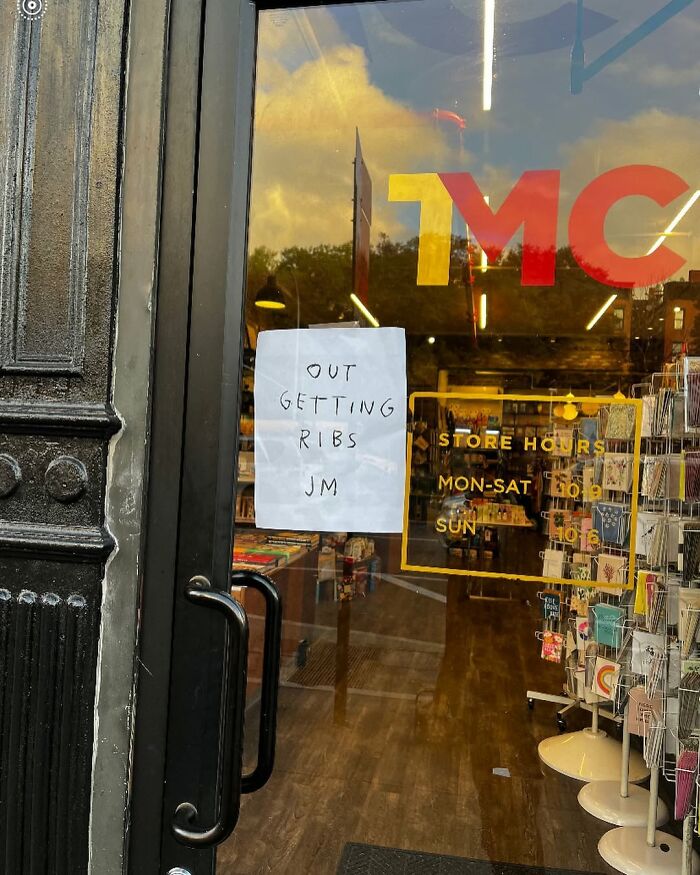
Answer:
(587, 226)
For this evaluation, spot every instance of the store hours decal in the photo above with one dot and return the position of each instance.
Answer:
(330, 429)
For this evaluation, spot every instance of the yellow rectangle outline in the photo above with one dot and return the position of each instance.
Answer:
(553, 399)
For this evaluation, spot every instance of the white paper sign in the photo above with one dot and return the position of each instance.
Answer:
(330, 429)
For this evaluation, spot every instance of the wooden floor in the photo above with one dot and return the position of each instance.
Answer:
(410, 772)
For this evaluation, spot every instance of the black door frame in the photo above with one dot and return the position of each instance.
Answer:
(194, 433)
(194, 428)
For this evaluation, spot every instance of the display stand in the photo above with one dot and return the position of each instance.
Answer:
(637, 850)
(590, 755)
(621, 804)
(568, 705)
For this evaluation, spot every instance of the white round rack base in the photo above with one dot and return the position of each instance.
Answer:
(602, 799)
(590, 756)
(626, 850)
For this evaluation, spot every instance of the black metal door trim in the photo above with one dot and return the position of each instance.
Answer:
(181, 127)
(194, 420)
(211, 418)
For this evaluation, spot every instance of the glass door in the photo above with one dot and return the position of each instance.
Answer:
(515, 187)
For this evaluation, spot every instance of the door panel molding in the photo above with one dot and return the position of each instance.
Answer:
(37, 250)
(89, 542)
(59, 418)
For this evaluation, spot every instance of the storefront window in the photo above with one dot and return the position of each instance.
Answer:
(515, 187)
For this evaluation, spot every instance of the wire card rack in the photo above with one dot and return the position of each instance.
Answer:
(633, 656)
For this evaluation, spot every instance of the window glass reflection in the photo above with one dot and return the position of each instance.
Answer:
(533, 225)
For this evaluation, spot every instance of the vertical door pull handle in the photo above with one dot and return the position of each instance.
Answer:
(272, 649)
(230, 759)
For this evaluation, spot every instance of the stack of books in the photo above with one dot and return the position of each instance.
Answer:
(304, 540)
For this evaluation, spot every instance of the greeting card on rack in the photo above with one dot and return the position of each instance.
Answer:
(673, 477)
(648, 409)
(552, 646)
(689, 550)
(563, 442)
(672, 540)
(691, 475)
(646, 525)
(553, 563)
(663, 411)
(606, 677)
(654, 477)
(691, 377)
(579, 601)
(643, 709)
(620, 422)
(581, 559)
(645, 647)
(608, 624)
(580, 570)
(678, 415)
(688, 620)
(618, 471)
(640, 592)
(582, 633)
(559, 522)
(559, 480)
(611, 521)
(588, 430)
(611, 571)
(551, 604)
(585, 538)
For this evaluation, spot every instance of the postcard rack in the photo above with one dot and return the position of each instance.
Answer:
(655, 666)
(588, 521)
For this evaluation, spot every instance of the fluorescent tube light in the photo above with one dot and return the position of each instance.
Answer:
(484, 256)
(365, 312)
(489, 33)
(675, 221)
(603, 310)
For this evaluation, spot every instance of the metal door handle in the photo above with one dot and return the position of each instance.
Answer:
(230, 761)
(270, 677)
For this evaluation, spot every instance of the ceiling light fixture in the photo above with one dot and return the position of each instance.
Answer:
(270, 296)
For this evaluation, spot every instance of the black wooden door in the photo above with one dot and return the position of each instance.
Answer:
(59, 160)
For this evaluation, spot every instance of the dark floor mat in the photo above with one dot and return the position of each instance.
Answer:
(319, 670)
(360, 859)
